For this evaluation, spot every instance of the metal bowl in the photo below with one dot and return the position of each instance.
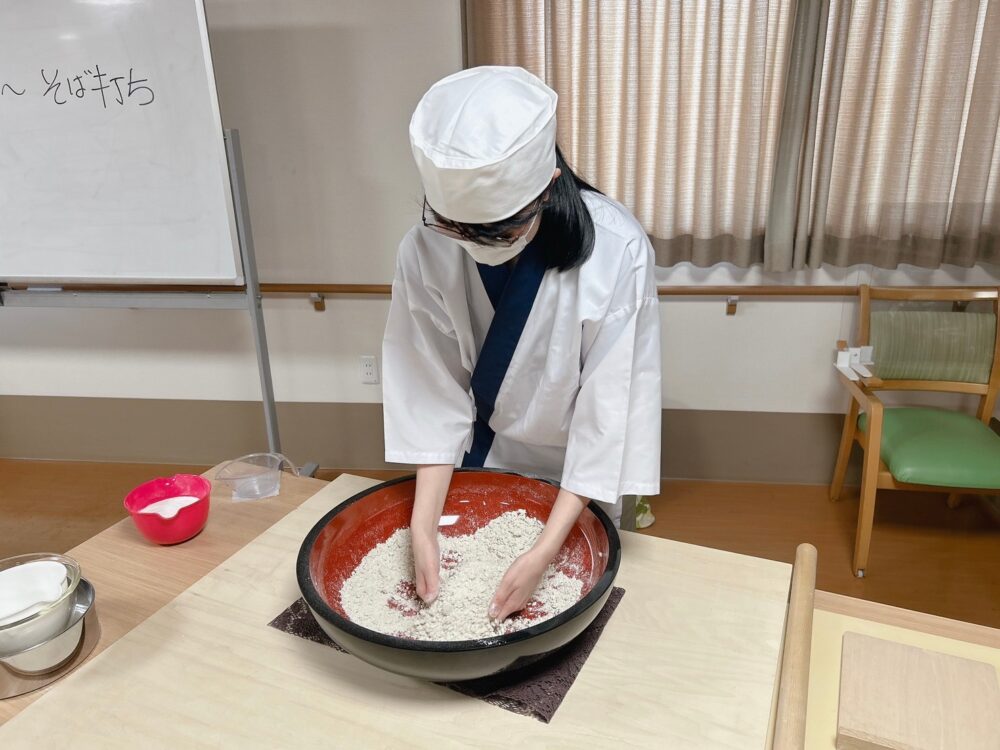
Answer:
(338, 542)
(54, 653)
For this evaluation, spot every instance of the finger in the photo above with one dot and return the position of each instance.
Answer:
(421, 585)
(505, 602)
(427, 587)
(500, 597)
(512, 604)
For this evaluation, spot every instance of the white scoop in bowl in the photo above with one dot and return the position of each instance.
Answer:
(169, 507)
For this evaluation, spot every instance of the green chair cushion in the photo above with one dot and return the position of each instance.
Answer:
(938, 447)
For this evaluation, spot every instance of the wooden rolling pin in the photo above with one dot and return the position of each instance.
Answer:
(793, 686)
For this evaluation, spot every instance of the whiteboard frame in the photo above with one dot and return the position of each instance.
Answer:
(224, 159)
(224, 169)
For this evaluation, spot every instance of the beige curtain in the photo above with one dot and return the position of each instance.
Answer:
(671, 107)
(902, 161)
(851, 131)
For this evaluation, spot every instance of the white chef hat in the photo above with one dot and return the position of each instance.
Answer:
(484, 142)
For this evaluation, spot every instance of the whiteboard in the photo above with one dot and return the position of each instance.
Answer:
(112, 159)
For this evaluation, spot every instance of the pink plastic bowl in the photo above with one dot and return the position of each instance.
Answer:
(187, 523)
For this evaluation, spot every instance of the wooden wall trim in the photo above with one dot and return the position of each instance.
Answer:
(268, 289)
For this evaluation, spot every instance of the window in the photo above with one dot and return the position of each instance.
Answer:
(786, 133)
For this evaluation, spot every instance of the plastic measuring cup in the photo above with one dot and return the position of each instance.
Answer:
(256, 476)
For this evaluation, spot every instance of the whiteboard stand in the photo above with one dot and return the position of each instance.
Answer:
(248, 298)
(234, 155)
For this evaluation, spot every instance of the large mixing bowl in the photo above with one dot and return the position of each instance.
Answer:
(337, 544)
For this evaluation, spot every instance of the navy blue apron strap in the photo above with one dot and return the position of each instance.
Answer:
(511, 314)
(494, 280)
(482, 441)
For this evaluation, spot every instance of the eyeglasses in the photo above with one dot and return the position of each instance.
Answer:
(481, 235)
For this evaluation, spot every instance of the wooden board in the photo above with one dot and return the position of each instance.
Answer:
(688, 660)
(907, 619)
(899, 697)
(836, 615)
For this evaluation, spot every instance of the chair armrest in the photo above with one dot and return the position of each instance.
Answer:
(868, 401)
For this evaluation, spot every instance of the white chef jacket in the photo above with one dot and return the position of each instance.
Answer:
(579, 399)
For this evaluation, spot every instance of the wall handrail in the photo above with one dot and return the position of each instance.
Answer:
(282, 288)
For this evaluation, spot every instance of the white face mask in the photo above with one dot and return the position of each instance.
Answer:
(491, 255)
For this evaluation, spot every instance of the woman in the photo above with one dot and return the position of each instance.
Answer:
(523, 332)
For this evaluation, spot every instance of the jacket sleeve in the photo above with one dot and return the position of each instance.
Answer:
(427, 405)
(614, 437)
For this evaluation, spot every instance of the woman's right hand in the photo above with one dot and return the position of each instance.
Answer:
(432, 488)
(426, 565)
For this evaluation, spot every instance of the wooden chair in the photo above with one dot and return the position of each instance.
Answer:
(922, 449)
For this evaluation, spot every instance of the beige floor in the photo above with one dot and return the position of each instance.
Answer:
(924, 555)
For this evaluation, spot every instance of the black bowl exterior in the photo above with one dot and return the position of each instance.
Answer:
(453, 661)
(456, 666)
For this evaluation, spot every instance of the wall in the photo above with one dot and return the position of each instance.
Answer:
(322, 92)
(775, 354)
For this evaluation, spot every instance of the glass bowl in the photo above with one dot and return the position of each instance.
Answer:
(49, 620)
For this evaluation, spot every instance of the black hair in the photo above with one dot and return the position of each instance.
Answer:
(566, 234)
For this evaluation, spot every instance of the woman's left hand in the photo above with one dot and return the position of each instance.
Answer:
(524, 574)
(518, 584)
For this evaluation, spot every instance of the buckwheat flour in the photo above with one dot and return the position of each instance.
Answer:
(381, 595)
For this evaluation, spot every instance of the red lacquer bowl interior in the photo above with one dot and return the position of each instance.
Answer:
(476, 497)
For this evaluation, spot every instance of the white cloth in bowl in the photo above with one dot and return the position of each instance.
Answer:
(30, 588)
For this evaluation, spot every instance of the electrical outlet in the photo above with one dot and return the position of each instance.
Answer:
(369, 369)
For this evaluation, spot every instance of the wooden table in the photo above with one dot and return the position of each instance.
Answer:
(688, 660)
(158, 574)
